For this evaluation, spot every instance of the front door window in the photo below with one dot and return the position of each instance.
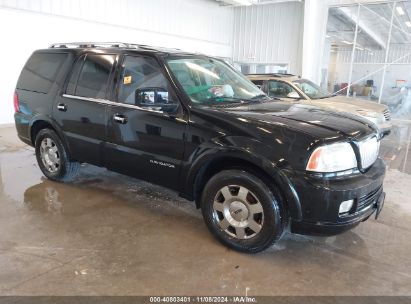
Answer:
(143, 84)
(279, 89)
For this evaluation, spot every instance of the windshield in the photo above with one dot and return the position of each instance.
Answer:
(311, 89)
(211, 81)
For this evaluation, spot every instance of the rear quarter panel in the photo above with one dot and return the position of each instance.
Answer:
(36, 106)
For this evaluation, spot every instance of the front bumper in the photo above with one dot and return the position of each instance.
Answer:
(320, 200)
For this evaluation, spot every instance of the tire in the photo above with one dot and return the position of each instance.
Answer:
(53, 159)
(233, 202)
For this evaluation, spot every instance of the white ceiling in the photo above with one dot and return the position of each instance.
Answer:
(374, 25)
(251, 2)
(259, 2)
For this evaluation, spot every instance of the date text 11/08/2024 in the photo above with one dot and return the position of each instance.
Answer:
(205, 299)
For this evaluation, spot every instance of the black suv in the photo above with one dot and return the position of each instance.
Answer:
(194, 124)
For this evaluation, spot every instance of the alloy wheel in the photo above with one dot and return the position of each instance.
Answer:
(50, 155)
(238, 212)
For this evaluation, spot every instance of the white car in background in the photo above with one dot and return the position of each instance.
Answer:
(291, 88)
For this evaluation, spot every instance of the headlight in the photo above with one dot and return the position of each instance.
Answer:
(332, 158)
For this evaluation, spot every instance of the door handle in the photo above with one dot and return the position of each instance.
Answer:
(62, 107)
(120, 119)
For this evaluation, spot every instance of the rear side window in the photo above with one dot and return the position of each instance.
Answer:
(40, 71)
(90, 77)
(71, 86)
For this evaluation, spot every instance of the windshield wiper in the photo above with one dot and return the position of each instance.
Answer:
(224, 99)
(238, 101)
(260, 96)
(324, 97)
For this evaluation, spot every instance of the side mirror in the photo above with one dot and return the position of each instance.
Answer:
(293, 95)
(151, 96)
(155, 98)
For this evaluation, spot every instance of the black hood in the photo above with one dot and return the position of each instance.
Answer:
(306, 118)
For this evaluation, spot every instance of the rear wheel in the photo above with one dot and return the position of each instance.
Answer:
(52, 157)
(241, 211)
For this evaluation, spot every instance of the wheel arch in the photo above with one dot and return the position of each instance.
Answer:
(41, 122)
(205, 168)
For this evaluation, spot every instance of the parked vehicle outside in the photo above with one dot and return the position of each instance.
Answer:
(291, 88)
(195, 125)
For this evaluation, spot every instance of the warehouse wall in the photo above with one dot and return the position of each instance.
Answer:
(398, 53)
(367, 63)
(197, 26)
(270, 33)
(394, 72)
(200, 20)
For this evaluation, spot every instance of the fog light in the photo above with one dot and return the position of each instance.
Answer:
(346, 206)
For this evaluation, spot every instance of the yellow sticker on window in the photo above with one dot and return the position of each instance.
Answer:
(127, 80)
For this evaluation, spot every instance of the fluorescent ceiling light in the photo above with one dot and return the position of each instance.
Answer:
(346, 42)
(400, 10)
(243, 2)
(408, 23)
(359, 48)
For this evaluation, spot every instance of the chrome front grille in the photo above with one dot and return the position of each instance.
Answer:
(387, 114)
(369, 149)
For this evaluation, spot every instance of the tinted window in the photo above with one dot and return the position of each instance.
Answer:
(258, 83)
(311, 89)
(71, 86)
(142, 83)
(279, 89)
(93, 79)
(40, 71)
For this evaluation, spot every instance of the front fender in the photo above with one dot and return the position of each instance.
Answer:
(250, 153)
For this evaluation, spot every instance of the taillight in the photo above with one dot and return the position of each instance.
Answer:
(16, 102)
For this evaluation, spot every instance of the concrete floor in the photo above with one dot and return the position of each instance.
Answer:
(108, 234)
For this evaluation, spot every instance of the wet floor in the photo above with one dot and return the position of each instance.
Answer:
(108, 234)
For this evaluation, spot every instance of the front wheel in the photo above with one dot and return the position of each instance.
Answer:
(241, 211)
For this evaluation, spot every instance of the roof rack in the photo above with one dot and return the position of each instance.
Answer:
(109, 45)
(273, 74)
(88, 44)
